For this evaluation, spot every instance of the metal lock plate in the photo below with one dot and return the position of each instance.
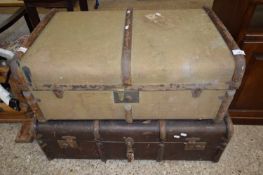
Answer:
(129, 152)
(123, 96)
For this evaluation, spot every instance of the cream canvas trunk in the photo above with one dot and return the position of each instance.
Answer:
(179, 66)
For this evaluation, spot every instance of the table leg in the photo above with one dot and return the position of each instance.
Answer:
(28, 22)
(83, 4)
(32, 14)
(97, 4)
(70, 5)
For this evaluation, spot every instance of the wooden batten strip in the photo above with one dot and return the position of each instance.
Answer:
(160, 87)
(17, 79)
(223, 109)
(126, 49)
(36, 32)
(240, 62)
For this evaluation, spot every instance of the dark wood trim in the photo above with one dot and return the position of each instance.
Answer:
(13, 118)
(83, 4)
(246, 117)
(70, 5)
(254, 35)
(246, 22)
(32, 14)
(28, 22)
(247, 121)
(31, 7)
(14, 18)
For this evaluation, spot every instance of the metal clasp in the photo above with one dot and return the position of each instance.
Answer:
(67, 142)
(126, 96)
(196, 93)
(129, 153)
(58, 92)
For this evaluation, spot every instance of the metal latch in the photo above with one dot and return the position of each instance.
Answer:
(196, 93)
(129, 153)
(126, 96)
(194, 144)
(58, 92)
(67, 142)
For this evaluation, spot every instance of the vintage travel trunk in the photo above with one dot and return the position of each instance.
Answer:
(133, 65)
(150, 139)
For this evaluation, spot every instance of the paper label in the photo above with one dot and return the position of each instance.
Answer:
(183, 134)
(238, 52)
(4, 95)
(22, 49)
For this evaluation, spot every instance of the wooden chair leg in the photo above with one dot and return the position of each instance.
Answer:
(28, 22)
(97, 4)
(70, 5)
(83, 4)
(26, 133)
(32, 15)
(12, 19)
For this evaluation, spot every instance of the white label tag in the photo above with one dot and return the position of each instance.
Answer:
(4, 95)
(183, 134)
(22, 49)
(176, 136)
(238, 52)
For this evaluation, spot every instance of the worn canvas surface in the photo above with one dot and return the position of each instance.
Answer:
(168, 47)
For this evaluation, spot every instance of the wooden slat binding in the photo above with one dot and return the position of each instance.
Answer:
(19, 85)
(232, 45)
(160, 154)
(99, 144)
(36, 32)
(223, 109)
(126, 49)
(240, 64)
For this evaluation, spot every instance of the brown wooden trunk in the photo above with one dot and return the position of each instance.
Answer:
(156, 139)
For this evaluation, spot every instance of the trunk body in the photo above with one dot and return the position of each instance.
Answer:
(156, 139)
(152, 63)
